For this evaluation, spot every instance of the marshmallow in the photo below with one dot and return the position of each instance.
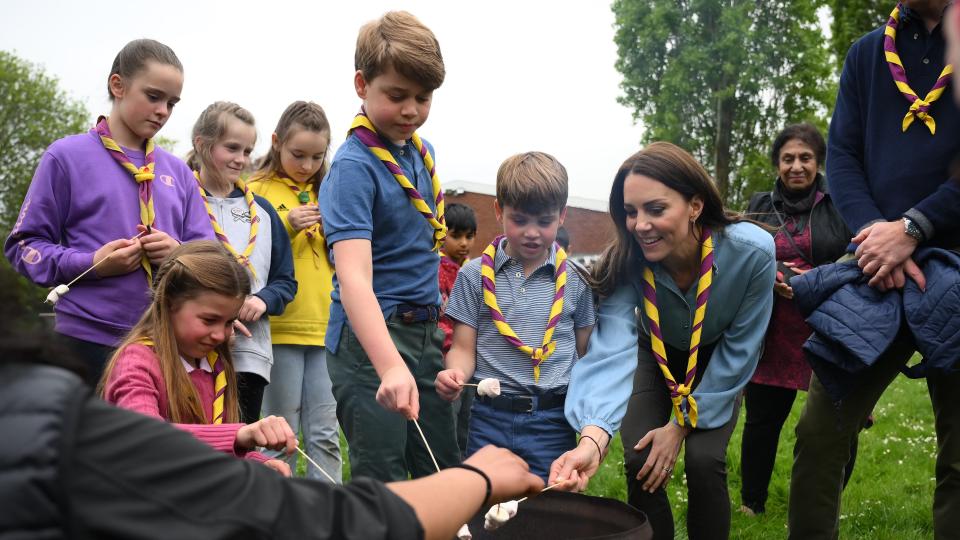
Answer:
(489, 387)
(56, 293)
(499, 514)
(464, 533)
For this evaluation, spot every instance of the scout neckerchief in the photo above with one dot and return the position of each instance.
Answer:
(219, 381)
(681, 392)
(445, 256)
(305, 195)
(540, 354)
(242, 258)
(143, 175)
(367, 134)
(919, 108)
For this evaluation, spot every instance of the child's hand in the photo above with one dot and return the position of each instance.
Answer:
(253, 308)
(279, 466)
(304, 216)
(398, 392)
(157, 244)
(271, 432)
(125, 258)
(448, 383)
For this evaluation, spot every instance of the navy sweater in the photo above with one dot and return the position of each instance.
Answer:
(877, 171)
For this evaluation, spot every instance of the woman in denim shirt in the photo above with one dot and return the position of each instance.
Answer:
(663, 203)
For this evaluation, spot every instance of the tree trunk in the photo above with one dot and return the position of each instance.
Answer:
(725, 112)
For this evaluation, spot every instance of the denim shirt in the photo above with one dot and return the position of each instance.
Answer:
(361, 199)
(741, 300)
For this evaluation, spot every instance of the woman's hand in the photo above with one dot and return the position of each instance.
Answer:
(272, 432)
(304, 216)
(664, 445)
(575, 467)
(510, 476)
(279, 466)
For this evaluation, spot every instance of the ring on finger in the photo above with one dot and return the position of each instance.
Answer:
(668, 470)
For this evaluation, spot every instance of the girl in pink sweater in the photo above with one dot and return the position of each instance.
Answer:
(175, 364)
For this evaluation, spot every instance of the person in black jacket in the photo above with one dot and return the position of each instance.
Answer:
(74, 466)
(808, 232)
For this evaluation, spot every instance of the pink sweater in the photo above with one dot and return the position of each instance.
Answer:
(136, 383)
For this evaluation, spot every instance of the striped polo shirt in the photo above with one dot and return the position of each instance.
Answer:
(525, 302)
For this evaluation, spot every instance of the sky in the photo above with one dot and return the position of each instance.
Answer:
(521, 75)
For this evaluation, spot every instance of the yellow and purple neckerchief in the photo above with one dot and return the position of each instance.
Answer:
(143, 175)
(539, 354)
(919, 108)
(306, 196)
(219, 380)
(364, 130)
(242, 258)
(681, 392)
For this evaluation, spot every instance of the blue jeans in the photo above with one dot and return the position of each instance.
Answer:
(539, 437)
(300, 391)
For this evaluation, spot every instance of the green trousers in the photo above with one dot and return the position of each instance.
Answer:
(825, 433)
(383, 444)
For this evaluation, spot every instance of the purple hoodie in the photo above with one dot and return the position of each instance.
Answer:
(79, 200)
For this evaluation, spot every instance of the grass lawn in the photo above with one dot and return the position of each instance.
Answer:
(889, 497)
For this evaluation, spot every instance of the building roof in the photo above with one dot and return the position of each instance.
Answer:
(459, 187)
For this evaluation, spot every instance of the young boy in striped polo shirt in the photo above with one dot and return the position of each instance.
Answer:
(522, 314)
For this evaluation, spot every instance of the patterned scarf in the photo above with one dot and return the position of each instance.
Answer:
(242, 258)
(919, 108)
(219, 381)
(681, 392)
(313, 233)
(540, 354)
(367, 134)
(143, 175)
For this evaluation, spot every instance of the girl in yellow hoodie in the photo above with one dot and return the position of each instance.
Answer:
(289, 178)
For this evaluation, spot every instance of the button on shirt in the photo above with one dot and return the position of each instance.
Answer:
(361, 199)
(741, 300)
(525, 302)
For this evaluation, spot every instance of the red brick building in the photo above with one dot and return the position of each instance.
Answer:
(588, 220)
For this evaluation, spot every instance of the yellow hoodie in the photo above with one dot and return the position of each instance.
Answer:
(304, 322)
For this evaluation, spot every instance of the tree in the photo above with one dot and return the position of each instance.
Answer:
(852, 19)
(34, 112)
(720, 77)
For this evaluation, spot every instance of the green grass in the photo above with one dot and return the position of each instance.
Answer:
(889, 497)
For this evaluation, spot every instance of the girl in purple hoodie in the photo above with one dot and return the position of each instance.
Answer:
(110, 198)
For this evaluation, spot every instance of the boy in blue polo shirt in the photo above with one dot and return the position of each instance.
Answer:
(523, 315)
(383, 218)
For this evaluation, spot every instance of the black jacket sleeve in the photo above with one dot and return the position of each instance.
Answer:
(129, 476)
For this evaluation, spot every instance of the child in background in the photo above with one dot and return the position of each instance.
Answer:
(93, 192)
(176, 365)
(289, 178)
(383, 215)
(563, 238)
(522, 315)
(461, 232)
(250, 229)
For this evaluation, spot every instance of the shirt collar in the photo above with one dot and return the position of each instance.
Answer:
(502, 257)
(204, 365)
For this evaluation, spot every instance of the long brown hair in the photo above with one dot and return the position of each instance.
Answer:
(675, 168)
(191, 270)
(299, 115)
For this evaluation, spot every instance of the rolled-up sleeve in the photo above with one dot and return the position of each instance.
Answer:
(601, 381)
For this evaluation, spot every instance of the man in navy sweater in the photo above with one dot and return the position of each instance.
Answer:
(891, 144)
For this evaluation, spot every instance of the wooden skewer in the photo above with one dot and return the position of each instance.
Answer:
(314, 463)
(541, 491)
(470, 384)
(425, 443)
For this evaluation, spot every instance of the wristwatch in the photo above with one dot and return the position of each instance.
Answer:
(910, 227)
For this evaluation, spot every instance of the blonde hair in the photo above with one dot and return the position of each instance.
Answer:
(400, 40)
(210, 127)
(532, 182)
(191, 270)
(303, 115)
(133, 58)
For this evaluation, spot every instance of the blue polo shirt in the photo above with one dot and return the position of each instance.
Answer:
(875, 169)
(359, 198)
